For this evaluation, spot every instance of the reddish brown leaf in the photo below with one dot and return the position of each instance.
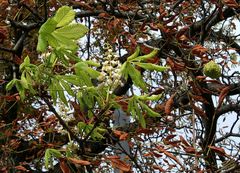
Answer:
(169, 137)
(112, 157)
(218, 150)
(123, 137)
(21, 168)
(170, 155)
(169, 104)
(64, 167)
(201, 78)
(103, 15)
(174, 65)
(199, 99)
(222, 95)
(149, 154)
(124, 8)
(231, 3)
(157, 154)
(199, 50)
(79, 162)
(184, 141)
(121, 165)
(158, 168)
(189, 150)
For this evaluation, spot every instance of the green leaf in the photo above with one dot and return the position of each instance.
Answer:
(149, 66)
(42, 43)
(73, 79)
(140, 117)
(64, 16)
(53, 92)
(24, 82)
(47, 158)
(52, 41)
(146, 57)
(123, 70)
(52, 59)
(71, 32)
(64, 41)
(26, 62)
(135, 54)
(48, 27)
(150, 112)
(136, 77)
(20, 89)
(11, 84)
(92, 63)
(152, 97)
(55, 153)
(61, 93)
(85, 79)
(49, 153)
(67, 87)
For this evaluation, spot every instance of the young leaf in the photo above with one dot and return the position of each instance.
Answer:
(24, 82)
(42, 43)
(61, 93)
(52, 41)
(48, 27)
(134, 55)
(67, 87)
(47, 158)
(64, 16)
(26, 62)
(150, 112)
(20, 89)
(149, 66)
(146, 57)
(136, 77)
(11, 84)
(55, 153)
(92, 63)
(64, 41)
(53, 92)
(73, 79)
(140, 116)
(71, 32)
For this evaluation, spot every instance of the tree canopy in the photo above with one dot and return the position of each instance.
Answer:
(69, 68)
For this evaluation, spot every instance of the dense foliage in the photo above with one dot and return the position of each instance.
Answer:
(71, 69)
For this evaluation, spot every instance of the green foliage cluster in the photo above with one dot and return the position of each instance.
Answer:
(58, 44)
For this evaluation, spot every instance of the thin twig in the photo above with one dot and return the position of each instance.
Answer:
(62, 122)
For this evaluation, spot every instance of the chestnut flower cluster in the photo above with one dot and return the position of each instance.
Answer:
(110, 73)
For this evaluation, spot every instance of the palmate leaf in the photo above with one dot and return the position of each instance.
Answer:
(73, 31)
(48, 27)
(64, 16)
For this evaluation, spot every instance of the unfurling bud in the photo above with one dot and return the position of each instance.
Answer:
(212, 70)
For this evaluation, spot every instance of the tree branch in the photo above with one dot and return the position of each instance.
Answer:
(65, 126)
